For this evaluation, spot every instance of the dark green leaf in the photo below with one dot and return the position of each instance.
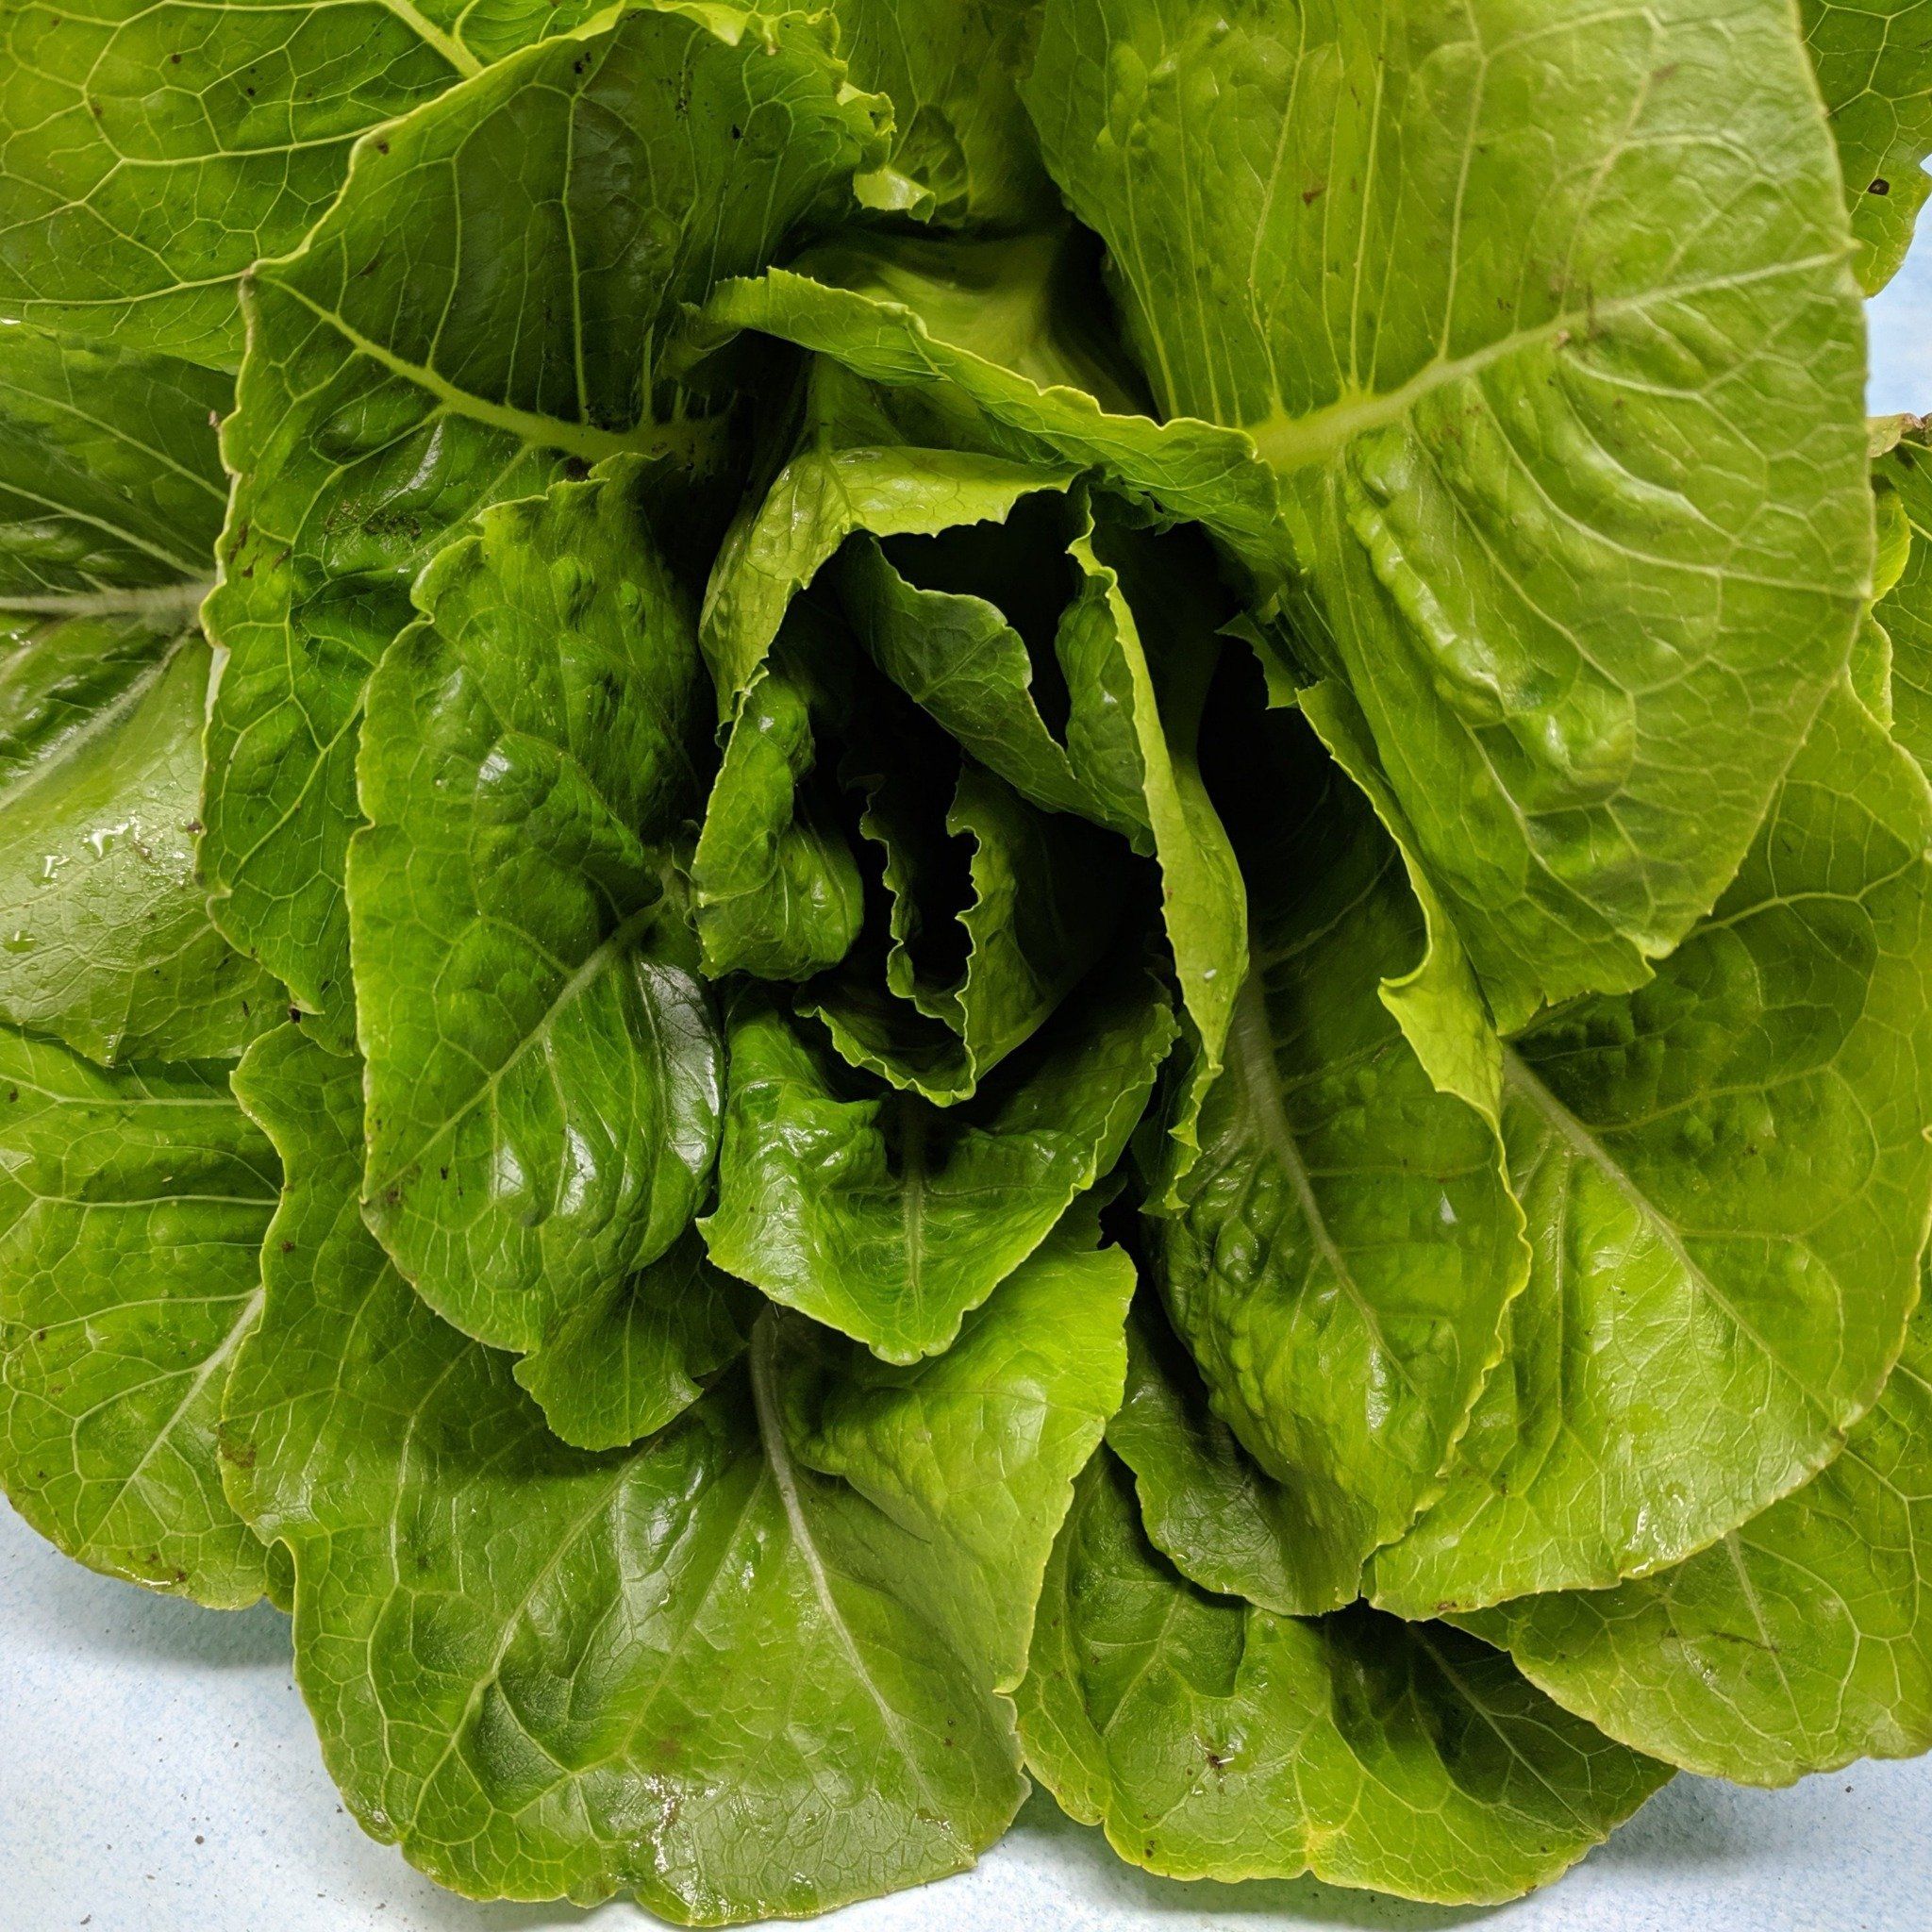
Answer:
(132, 1208)
(754, 1665)
(154, 149)
(111, 493)
(544, 1073)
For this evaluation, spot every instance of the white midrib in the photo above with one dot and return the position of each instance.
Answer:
(1294, 443)
(912, 1197)
(161, 601)
(765, 1399)
(452, 50)
(1521, 1080)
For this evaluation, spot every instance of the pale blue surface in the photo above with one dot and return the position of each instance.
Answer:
(158, 1772)
(1900, 317)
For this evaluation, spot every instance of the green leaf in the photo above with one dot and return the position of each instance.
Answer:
(963, 151)
(111, 493)
(1437, 1003)
(1795, 1644)
(626, 1364)
(826, 492)
(754, 1665)
(889, 1218)
(1204, 1502)
(987, 333)
(132, 1207)
(154, 149)
(1215, 1739)
(776, 885)
(544, 1075)
(1874, 60)
(1727, 1179)
(1344, 1250)
(1548, 333)
(482, 312)
(944, 635)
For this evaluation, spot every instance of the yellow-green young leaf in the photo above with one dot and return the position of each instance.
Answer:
(1795, 1644)
(1546, 327)
(1112, 629)
(544, 1073)
(890, 1218)
(481, 312)
(132, 1208)
(111, 494)
(962, 150)
(756, 1664)
(1340, 1255)
(1874, 60)
(1213, 1740)
(829, 490)
(995, 911)
(990, 629)
(1727, 1179)
(154, 149)
(1437, 1003)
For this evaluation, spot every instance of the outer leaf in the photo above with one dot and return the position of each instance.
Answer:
(1727, 1179)
(754, 1665)
(110, 497)
(1874, 60)
(132, 1206)
(1797, 1643)
(1204, 1503)
(479, 312)
(1546, 325)
(543, 1076)
(1214, 1739)
(1344, 1249)
(888, 1217)
(154, 151)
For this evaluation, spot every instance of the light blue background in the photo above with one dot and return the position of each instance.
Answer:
(158, 1772)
